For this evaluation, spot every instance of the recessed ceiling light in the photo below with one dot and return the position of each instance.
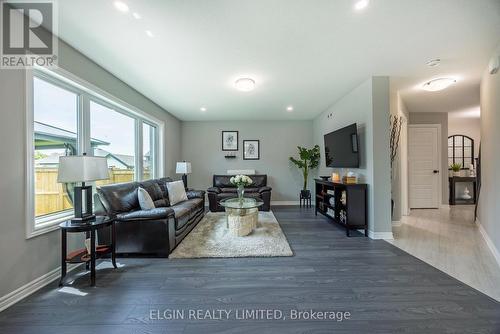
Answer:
(438, 84)
(361, 4)
(121, 6)
(434, 62)
(245, 84)
(149, 33)
(203, 109)
(136, 15)
(289, 108)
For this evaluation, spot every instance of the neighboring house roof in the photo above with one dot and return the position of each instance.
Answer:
(50, 137)
(127, 161)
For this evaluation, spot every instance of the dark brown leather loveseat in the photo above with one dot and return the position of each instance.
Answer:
(147, 232)
(222, 189)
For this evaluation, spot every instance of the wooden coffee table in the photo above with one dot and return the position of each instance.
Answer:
(242, 215)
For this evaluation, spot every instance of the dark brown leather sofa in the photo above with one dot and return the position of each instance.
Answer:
(153, 232)
(222, 189)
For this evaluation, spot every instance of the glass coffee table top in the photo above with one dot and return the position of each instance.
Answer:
(246, 203)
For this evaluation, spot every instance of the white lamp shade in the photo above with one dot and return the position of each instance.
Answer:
(183, 168)
(82, 168)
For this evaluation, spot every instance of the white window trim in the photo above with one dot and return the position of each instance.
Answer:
(64, 79)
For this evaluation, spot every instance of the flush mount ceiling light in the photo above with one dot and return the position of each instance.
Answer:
(434, 62)
(289, 108)
(136, 15)
(361, 4)
(245, 84)
(149, 33)
(203, 109)
(121, 6)
(438, 84)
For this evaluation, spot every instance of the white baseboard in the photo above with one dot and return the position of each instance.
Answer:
(280, 203)
(380, 235)
(33, 286)
(489, 242)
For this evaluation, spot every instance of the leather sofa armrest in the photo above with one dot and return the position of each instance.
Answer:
(264, 189)
(195, 194)
(214, 190)
(153, 214)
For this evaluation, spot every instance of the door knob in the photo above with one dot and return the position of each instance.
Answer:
(435, 171)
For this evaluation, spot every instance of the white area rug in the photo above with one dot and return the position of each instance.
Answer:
(211, 238)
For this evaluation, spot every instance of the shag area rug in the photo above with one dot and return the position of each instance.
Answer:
(211, 238)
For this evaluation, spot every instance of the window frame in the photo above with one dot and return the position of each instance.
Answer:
(454, 159)
(86, 92)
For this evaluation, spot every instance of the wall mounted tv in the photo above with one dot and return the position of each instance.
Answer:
(341, 148)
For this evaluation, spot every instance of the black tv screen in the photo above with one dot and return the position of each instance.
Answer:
(341, 148)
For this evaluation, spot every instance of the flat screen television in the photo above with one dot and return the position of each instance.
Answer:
(341, 148)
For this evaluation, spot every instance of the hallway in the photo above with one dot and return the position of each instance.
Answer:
(449, 240)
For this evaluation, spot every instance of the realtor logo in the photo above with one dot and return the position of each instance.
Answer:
(28, 36)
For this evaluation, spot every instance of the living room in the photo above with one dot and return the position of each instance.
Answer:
(156, 106)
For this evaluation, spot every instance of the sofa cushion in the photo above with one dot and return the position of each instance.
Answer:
(162, 183)
(145, 201)
(176, 192)
(156, 213)
(223, 181)
(120, 197)
(153, 188)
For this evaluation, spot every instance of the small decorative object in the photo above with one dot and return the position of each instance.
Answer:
(466, 194)
(335, 177)
(82, 168)
(251, 150)
(241, 181)
(183, 168)
(350, 178)
(230, 140)
(230, 156)
(343, 198)
(308, 159)
(456, 169)
(331, 200)
(472, 171)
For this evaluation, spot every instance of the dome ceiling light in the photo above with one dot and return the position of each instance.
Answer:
(245, 84)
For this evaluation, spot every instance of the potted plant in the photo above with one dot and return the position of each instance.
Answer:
(308, 159)
(456, 167)
(241, 181)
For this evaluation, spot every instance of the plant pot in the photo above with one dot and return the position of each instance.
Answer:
(456, 173)
(305, 194)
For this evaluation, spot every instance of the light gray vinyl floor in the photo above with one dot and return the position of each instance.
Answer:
(450, 240)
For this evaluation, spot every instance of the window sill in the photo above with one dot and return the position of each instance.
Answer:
(47, 224)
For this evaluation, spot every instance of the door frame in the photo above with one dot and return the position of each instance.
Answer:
(404, 173)
(440, 161)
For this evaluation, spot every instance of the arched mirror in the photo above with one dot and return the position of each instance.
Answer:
(460, 150)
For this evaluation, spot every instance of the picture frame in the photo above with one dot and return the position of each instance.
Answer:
(230, 140)
(251, 149)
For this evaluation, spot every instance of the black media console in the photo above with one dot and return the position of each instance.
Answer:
(345, 204)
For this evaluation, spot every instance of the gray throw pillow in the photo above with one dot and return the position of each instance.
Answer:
(145, 200)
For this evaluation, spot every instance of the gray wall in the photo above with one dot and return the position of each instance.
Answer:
(489, 199)
(25, 260)
(398, 108)
(437, 118)
(201, 145)
(368, 106)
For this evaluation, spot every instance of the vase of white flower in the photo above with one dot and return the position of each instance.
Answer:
(240, 181)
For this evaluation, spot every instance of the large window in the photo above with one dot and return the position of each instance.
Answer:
(118, 131)
(68, 118)
(55, 112)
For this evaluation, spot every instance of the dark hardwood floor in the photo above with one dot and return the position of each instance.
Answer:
(384, 289)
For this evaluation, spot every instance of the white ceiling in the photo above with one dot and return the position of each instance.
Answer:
(305, 53)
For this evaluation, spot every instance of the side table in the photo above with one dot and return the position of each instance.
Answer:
(81, 255)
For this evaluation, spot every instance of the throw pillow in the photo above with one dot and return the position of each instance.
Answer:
(176, 192)
(145, 200)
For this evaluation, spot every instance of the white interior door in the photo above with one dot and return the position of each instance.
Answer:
(424, 161)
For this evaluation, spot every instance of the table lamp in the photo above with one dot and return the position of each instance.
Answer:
(82, 168)
(183, 168)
